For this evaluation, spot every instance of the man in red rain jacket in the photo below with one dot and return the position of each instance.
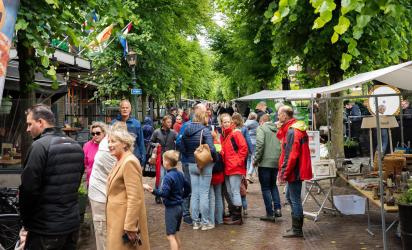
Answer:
(294, 164)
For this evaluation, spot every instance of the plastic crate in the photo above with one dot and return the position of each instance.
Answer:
(350, 204)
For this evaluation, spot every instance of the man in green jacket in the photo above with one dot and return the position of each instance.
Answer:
(266, 158)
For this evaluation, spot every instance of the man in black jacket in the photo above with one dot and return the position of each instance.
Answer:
(51, 177)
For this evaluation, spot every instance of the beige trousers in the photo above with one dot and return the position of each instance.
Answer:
(99, 223)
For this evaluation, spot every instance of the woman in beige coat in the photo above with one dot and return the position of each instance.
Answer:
(125, 211)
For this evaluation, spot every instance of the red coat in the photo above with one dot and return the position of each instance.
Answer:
(177, 126)
(295, 162)
(234, 160)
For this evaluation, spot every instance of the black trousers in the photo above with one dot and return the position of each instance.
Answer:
(52, 242)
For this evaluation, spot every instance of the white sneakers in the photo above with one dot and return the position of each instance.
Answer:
(208, 227)
(197, 225)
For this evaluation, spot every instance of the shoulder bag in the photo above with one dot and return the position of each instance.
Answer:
(203, 156)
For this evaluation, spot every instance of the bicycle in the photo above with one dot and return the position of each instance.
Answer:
(10, 224)
(9, 227)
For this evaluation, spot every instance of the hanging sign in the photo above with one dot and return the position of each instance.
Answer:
(8, 14)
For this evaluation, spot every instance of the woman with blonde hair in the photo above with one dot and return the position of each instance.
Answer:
(126, 210)
(197, 133)
(234, 153)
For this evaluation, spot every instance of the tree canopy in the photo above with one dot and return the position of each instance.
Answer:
(165, 38)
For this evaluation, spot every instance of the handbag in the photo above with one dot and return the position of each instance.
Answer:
(203, 156)
(243, 187)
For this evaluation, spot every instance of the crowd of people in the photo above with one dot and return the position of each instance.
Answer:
(115, 158)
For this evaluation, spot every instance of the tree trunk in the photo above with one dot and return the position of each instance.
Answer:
(336, 111)
(28, 96)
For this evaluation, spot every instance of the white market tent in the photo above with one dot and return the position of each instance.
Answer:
(399, 76)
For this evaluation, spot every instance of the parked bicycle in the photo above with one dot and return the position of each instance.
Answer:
(9, 218)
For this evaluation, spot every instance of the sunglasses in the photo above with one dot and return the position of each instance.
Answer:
(97, 133)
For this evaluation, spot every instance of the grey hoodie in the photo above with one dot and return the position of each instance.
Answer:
(267, 146)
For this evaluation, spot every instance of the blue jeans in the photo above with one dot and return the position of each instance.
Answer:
(233, 188)
(250, 168)
(199, 201)
(244, 202)
(216, 204)
(293, 195)
(270, 192)
(186, 201)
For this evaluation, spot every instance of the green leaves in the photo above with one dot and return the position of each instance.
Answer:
(345, 62)
(334, 38)
(348, 5)
(21, 24)
(325, 9)
(55, 3)
(342, 26)
(45, 61)
(285, 7)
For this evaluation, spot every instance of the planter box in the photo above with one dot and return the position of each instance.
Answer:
(405, 219)
(83, 199)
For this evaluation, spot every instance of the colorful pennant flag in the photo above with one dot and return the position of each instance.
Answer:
(102, 37)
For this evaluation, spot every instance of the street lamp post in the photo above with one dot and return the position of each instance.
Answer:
(131, 58)
(180, 92)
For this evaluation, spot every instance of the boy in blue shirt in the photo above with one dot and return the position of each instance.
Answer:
(174, 189)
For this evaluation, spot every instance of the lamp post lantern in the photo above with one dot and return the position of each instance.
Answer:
(131, 59)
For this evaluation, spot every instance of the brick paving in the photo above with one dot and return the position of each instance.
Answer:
(329, 232)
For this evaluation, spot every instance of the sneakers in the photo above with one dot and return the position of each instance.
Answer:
(196, 225)
(278, 213)
(244, 211)
(158, 200)
(268, 218)
(188, 220)
(207, 227)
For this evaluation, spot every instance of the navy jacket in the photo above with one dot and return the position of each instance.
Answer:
(134, 127)
(174, 188)
(191, 140)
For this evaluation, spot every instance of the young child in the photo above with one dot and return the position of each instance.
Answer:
(174, 189)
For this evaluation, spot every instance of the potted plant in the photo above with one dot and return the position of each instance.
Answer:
(82, 192)
(350, 148)
(405, 218)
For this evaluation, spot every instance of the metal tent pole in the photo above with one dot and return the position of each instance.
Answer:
(311, 110)
(401, 120)
(379, 140)
(327, 120)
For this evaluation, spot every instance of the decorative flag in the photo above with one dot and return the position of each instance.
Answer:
(90, 19)
(102, 37)
(123, 42)
(127, 29)
(8, 13)
(122, 39)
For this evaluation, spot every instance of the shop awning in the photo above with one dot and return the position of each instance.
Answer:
(399, 76)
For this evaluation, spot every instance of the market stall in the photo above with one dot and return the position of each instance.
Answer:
(398, 76)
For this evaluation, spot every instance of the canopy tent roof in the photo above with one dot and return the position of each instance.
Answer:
(399, 76)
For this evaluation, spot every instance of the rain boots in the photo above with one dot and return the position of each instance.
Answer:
(236, 218)
(296, 230)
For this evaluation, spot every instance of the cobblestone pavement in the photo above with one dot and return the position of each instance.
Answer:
(329, 232)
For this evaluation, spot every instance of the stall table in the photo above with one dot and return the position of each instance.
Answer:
(369, 197)
(4, 163)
